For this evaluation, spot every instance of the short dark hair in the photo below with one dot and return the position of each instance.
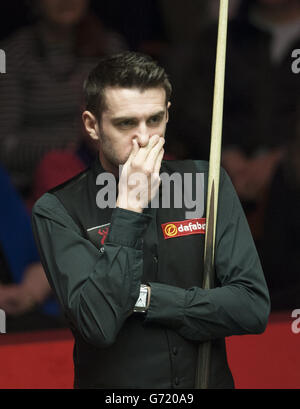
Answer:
(126, 70)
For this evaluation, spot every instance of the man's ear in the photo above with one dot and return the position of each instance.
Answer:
(91, 124)
(167, 112)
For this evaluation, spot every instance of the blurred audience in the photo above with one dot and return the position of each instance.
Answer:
(176, 15)
(279, 243)
(262, 93)
(198, 14)
(25, 294)
(261, 90)
(40, 95)
(59, 165)
(140, 22)
(55, 168)
(260, 119)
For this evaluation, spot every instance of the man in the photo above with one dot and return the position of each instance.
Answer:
(97, 260)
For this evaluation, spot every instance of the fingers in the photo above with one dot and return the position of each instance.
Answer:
(139, 154)
(152, 156)
(134, 151)
(147, 161)
(144, 151)
(158, 162)
(155, 176)
(149, 158)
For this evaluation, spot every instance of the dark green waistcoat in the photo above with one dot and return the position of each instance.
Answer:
(144, 356)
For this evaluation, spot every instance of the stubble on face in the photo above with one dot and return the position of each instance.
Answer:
(108, 153)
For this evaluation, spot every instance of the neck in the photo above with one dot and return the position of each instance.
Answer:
(280, 14)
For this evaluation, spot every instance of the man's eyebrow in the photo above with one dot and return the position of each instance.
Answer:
(129, 117)
(160, 113)
(122, 118)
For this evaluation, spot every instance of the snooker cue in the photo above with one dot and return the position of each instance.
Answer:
(204, 354)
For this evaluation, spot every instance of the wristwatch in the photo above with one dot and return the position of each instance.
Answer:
(142, 301)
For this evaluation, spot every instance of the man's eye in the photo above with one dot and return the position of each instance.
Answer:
(155, 120)
(126, 123)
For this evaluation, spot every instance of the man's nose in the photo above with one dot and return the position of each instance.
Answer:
(142, 135)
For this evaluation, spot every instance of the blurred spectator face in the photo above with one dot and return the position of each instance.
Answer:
(63, 12)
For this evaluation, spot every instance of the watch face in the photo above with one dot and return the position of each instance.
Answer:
(142, 300)
(141, 304)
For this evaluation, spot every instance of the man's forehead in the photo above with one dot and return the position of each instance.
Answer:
(122, 100)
